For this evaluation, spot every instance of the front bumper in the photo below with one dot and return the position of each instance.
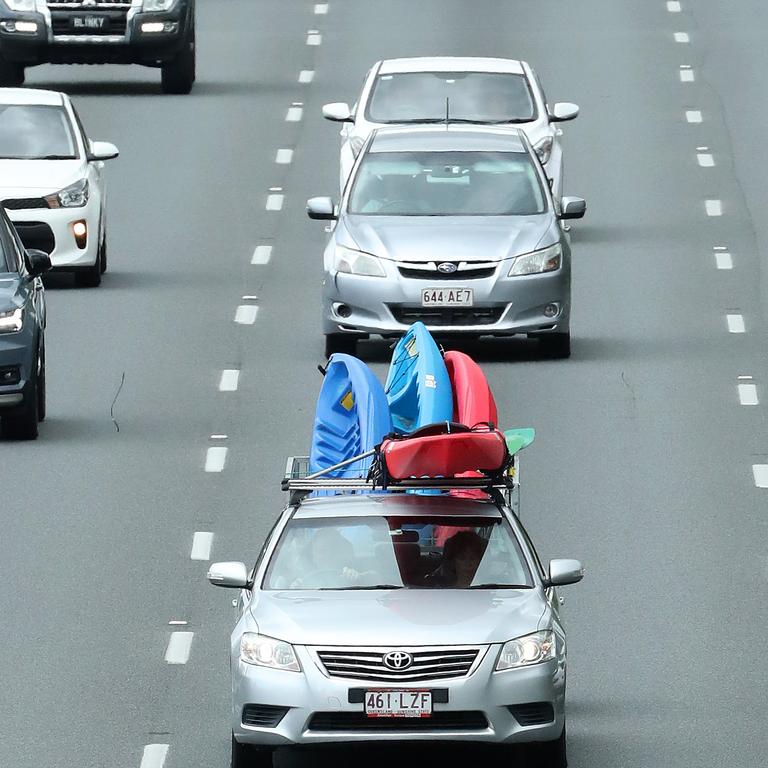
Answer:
(310, 693)
(51, 230)
(503, 306)
(124, 42)
(18, 355)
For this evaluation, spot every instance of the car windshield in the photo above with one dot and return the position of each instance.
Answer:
(472, 96)
(447, 184)
(36, 132)
(425, 552)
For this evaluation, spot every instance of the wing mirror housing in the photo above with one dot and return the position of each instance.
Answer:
(232, 575)
(37, 262)
(102, 150)
(338, 112)
(563, 111)
(563, 572)
(572, 208)
(321, 208)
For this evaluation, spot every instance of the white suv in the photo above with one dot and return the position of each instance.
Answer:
(456, 90)
(52, 181)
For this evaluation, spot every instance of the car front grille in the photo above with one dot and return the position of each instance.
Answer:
(359, 721)
(25, 203)
(368, 663)
(36, 234)
(441, 316)
(263, 715)
(537, 713)
(465, 270)
(78, 5)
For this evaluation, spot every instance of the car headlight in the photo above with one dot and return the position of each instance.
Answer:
(535, 262)
(157, 5)
(524, 651)
(357, 263)
(12, 320)
(74, 196)
(268, 652)
(543, 149)
(21, 5)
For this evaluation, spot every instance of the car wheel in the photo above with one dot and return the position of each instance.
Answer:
(41, 405)
(247, 756)
(23, 425)
(178, 75)
(549, 754)
(11, 75)
(340, 342)
(102, 257)
(556, 345)
(90, 277)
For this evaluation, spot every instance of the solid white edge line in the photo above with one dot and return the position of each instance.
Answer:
(215, 458)
(760, 473)
(713, 207)
(274, 202)
(693, 116)
(723, 260)
(230, 378)
(179, 647)
(705, 159)
(261, 254)
(735, 323)
(202, 542)
(306, 75)
(294, 114)
(748, 394)
(246, 314)
(284, 156)
(154, 755)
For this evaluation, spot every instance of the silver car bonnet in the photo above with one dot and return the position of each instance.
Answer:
(452, 238)
(398, 617)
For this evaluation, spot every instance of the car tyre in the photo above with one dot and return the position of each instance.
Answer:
(549, 754)
(23, 425)
(247, 756)
(556, 345)
(178, 75)
(11, 74)
(90, 277)
(340, 342)
(41, 403)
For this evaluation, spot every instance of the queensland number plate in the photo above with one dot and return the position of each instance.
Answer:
(398, 703)
(447, 297)
(90, 23)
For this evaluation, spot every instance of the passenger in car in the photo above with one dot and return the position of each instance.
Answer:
(462, 554)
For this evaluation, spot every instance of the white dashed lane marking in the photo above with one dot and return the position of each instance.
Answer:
(230, 378)
(723, 260)
(314, 37)
(202, 542)
(294, 114)
(284, 156)
(713, 207)
(321, 9)
(682, 37)
(261, 254)
(705, 159)
(748, 393)
(274, 202)
(686, 74)
(760, 473)
(215, 459)
(154, 755)
(693, 116)
(673, 6)
(306, 76)
(735, 323)
(246, 314)
(179, 647)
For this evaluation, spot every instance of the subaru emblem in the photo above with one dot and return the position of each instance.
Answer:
(446, 267)
(398, 660)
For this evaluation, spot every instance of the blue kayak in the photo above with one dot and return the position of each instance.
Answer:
(352, 416)
(418, 388)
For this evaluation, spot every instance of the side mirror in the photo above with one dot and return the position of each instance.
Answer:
(321, 208)
(338, 112)
(563, 111)
(572, 208)
(232, 575)
(562, 572)
(102, 150)
(37, 262)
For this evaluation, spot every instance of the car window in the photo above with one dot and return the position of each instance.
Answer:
(36, 132)
(81, 128)
(447, 184)
(425, 552)
(476, 96)
(7, 256)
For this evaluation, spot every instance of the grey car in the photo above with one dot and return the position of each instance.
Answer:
(398, 617)
(454, 226)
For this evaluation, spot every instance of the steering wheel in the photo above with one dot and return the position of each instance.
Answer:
(406, 204)
(315, 575)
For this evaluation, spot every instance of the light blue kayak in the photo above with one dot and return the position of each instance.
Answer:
(352, 416)
(418, 387)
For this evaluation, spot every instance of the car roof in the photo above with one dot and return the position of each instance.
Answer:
(397, 504)
(451, 64)
(31, 96)
(448, 138)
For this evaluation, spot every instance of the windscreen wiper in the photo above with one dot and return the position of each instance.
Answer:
(372, 586)
(492, 585)
(54, 157)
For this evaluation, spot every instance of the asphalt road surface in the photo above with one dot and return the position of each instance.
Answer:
(643, 466)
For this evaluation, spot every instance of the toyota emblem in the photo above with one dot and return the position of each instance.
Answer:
(398, 660)
(446, 267)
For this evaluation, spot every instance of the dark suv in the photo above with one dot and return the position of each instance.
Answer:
(22, 334)
(156, 33)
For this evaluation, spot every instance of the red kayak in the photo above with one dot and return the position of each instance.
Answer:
(445, 450)
(473, 401)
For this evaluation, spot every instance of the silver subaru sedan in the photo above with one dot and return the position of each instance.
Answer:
(454, 226)
(398, 617)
